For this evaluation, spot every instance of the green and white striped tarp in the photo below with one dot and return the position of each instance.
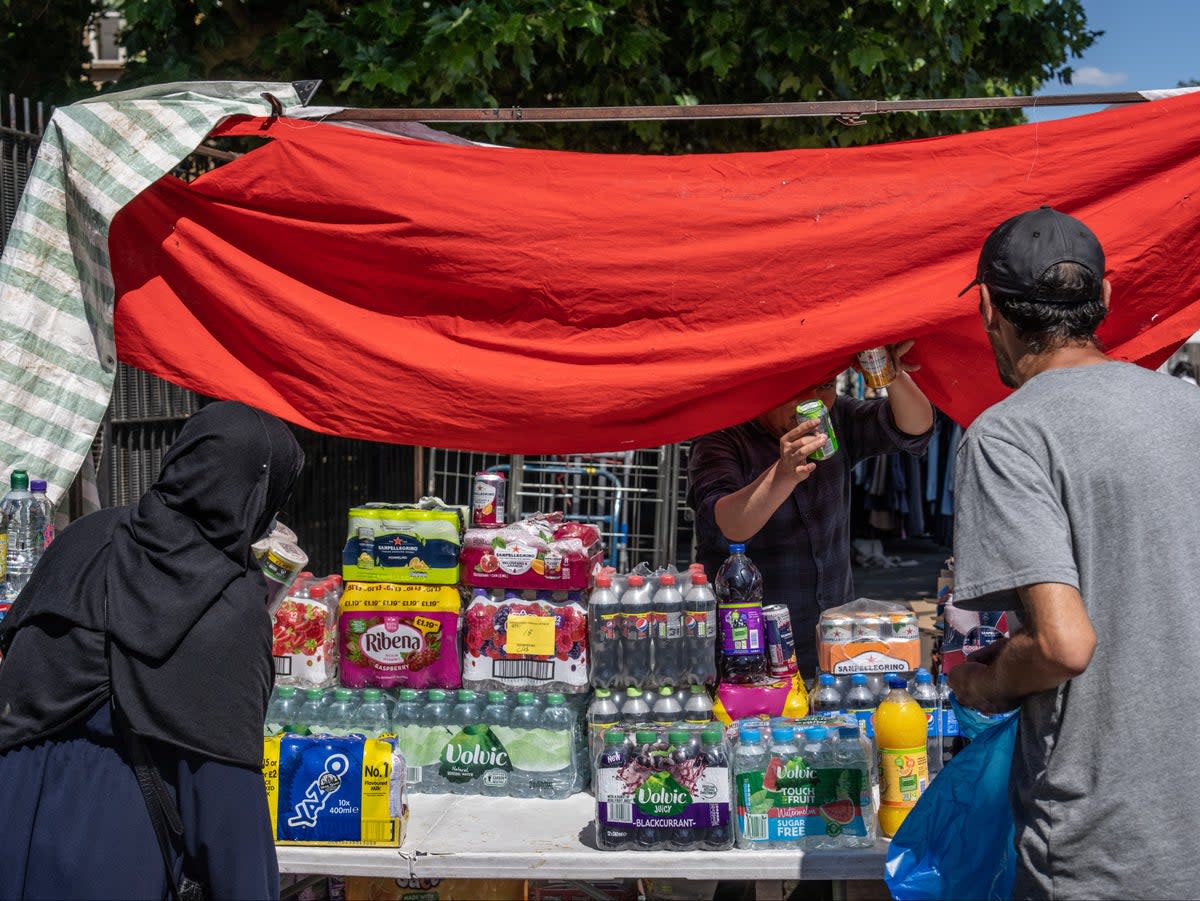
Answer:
(57, 352)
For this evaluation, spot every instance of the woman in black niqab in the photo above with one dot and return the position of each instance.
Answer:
(173, 583)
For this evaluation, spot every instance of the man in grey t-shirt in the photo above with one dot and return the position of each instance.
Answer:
(1078, 505)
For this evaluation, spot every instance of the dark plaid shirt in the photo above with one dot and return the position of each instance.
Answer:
(803, 551)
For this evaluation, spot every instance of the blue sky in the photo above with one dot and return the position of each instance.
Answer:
(1146, 44)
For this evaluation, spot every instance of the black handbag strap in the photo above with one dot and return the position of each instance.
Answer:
(164, 815)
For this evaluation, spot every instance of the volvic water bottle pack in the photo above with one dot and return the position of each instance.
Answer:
(664, 789)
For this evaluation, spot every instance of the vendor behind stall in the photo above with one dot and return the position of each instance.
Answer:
(754, 483)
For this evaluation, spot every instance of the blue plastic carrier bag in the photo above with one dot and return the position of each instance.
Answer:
(957, 842)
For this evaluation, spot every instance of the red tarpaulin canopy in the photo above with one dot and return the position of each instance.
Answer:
(532, 301)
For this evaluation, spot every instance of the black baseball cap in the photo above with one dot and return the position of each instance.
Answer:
(1020, 250)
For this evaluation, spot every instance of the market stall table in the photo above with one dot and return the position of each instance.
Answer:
(470, 836)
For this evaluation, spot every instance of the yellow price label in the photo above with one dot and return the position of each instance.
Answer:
(530, 635)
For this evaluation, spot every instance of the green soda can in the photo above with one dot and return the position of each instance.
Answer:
(815, 409)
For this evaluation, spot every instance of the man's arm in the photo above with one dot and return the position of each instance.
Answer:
(1055, 645)
(740, 514)
(911, 410)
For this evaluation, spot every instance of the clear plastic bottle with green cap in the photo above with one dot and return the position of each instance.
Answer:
(312, 711)
(371, 718)
(559, 721)
(282, 711)
(22, 534)
(339, 716)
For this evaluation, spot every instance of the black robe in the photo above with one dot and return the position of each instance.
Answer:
(190, 647)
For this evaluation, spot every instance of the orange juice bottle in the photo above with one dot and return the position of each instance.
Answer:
(900, 733)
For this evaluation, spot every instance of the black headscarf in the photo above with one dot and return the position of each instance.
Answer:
(189, 632)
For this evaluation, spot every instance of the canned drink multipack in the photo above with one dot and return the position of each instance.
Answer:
(867, 636)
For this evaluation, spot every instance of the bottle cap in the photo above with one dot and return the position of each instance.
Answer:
(495, 697)
(436, 694)
(816, 733)
(286, 691)
(749, 734)
(666, 691)
(37, 485)
(924, 677)
(604, 581)
(525, 697)
(783, 733)
(307, 576)
(849, 732)
(614, 737)
(737, 548)
(666, 579)
(314, 694)
(646, 738)
(698, 689)
(555, 699)
(895, 681)
(711, 736)
(699, 578)
(19, 480)
(342, 694)
(858, 679)
(373, 694)
(317, 592)
(943, 679)
(408, 694)
(826, 679)
(678, 737)
(635, 581)
(465, 694)
(600, 693)
(633, 692)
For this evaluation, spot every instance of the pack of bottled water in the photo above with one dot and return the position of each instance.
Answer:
(803, 784)
(664, 789)
(652, 629)
(514, 744)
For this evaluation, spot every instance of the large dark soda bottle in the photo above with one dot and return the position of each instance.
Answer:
(604, 626)
(739, 588)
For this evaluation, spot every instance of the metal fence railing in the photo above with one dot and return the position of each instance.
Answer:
(22, 122)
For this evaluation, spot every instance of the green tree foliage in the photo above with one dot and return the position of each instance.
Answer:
(506, 53)
(41, 48)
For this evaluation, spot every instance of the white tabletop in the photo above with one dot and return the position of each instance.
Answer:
(469, 836)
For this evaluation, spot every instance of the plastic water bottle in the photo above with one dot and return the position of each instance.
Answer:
(860, 701)
(700, 631)
(749, 759)
(682, 755)
(635, 709)
(19, 516)
(371, 718)
(557, 717)
(339, 716)
(667, 711)
(312, 711)
(282, 711)
(739, 591)
(698, 709)
(45, 510)
(466, 708)
(604, 628)
(635, 632)
(826, 697)
(407, 710)
(667, 636)
(610, 762)
(878, 683)
(851, 752)
(925, 693)
(715, 757)
(819, 756)
(435, 718)
(950, 732)
(785, 747)
(602, 715)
